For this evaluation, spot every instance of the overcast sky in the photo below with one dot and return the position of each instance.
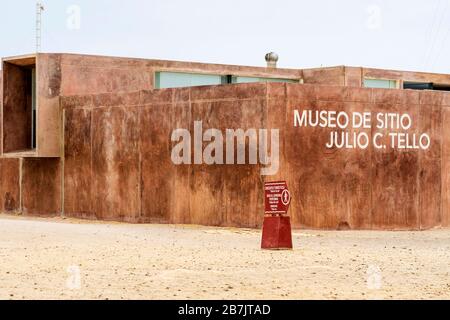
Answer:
(401, 34)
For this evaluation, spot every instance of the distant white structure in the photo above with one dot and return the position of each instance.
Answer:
(39, 9)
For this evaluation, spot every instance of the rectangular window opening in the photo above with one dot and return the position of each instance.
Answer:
(239, 79)
(425, 86)
(164, 80)
(380, 83)
(19, 105)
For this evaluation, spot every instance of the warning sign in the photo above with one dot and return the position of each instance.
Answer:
(277, 197)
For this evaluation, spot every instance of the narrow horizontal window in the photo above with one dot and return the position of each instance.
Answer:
(380, 83)
(165, 80)
(256, 79)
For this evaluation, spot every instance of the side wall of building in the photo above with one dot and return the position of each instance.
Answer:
(334, 76)
(68, 74)
(9, 179)
(372, 188)
(82, 75)
(445, 166)
(354, 76)
(117, 159)
(117, 165)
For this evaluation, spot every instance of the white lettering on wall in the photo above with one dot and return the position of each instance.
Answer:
(352, 130)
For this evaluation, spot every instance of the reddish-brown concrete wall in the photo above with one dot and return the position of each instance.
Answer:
(354, 76)
(116, 162)
(406, 76)
(377, 189)
(445, 182)
(326, 76)
(69, 74)
(48, 118)
(41, 187)
(83, 74)
(9, 185)
(1, 113)
(30, 186)
(117, 159)
(9, 179)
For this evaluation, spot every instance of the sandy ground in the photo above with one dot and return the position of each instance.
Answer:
(71, 259)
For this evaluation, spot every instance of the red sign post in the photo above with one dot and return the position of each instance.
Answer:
(277, 232)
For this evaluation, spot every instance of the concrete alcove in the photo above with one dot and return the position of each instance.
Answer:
(30, 110)
(19, 109)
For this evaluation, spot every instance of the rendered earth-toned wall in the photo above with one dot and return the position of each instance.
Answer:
(117, 160)
(115, 140)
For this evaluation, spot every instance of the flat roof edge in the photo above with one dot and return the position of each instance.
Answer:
(377, 69)
(35, 55)
(20, 57)
(167, 60)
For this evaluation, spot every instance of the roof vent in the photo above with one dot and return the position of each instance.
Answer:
(271, 59)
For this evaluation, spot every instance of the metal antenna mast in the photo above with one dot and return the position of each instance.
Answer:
(39, 9)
